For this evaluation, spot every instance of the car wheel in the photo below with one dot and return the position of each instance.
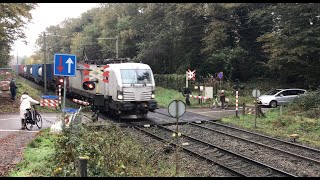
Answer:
(273, 104)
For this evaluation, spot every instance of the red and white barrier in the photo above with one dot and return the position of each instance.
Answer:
(198, 97)
(81, 102)
(43, 103)
(49, 102)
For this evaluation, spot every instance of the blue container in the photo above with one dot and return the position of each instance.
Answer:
(49, 72)
(28, 74)
(35, 74)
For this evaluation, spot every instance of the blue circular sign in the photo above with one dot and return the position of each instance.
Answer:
(220, 75)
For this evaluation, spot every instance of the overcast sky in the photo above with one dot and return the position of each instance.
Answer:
(45, 15)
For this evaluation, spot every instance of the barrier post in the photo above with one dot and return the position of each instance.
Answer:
(236, 103)
(244, 109)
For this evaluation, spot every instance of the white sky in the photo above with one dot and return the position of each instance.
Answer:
(45, 15)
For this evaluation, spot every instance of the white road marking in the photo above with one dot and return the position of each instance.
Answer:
(18, 118)
(12, 130)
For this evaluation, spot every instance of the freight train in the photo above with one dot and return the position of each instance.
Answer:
(127, 92)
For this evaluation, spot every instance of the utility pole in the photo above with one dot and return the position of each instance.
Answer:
(44, 63)
(117, 46)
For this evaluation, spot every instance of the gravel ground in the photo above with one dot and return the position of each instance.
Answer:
(12, 145)
(192, 166)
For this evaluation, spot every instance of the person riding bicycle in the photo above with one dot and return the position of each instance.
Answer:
(25, 101)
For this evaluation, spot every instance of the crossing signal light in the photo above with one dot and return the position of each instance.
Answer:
(60, 80)
(89, 85)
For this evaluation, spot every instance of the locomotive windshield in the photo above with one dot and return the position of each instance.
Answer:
(136, 76)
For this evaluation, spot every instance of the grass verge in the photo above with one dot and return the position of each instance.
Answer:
(37, 157)
(281, 126)
(111, 152)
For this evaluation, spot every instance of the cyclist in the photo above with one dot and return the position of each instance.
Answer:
(222, 99)
(25, 101)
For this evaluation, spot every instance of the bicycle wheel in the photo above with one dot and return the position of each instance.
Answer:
(29, 125)
(213, 105)
(38, 121)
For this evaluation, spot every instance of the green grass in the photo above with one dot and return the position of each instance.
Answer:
(33, 92)
(110, 152)
(281, 126)
(36, 157)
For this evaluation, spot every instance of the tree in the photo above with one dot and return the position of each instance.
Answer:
(13, 18)
(292, 43)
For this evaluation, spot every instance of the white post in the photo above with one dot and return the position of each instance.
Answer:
(64, 91)
(59, 94)
(186, 78)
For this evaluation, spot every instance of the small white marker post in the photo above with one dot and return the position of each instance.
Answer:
(64, 92)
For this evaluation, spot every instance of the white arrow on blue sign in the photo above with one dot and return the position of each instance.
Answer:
(65, 65)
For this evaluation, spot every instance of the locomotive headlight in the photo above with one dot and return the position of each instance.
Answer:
(120, 95)
(153, 95)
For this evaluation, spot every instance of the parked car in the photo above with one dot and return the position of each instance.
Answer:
(277, 97)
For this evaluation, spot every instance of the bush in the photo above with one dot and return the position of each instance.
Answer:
(111, 152)
(307, 105)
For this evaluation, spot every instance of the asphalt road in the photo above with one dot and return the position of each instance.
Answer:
(12, 123)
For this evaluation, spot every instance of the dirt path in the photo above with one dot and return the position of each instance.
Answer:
(11, 149)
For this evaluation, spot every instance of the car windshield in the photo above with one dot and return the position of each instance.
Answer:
(136, 76)
(273, 91)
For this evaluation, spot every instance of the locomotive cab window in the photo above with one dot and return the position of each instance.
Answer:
(136, 76)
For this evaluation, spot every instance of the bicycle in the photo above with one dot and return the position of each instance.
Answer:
(35, 118)
(217, 103)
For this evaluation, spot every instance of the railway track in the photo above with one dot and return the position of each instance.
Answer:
(293, 149)
(235, 163)
(281, 159)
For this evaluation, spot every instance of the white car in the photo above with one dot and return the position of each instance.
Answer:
(278, 97)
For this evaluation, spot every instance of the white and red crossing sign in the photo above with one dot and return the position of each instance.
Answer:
(96, 73)
(191, 74)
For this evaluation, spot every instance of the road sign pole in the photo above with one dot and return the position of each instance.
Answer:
(64, 92)
(255, 117)
(44, 62)
(177, 136)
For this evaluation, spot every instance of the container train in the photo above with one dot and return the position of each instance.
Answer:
(128, 92)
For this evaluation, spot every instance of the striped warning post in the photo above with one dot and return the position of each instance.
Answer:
(198, 97)
(237, 103)
(81, 102)
(59, 94)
